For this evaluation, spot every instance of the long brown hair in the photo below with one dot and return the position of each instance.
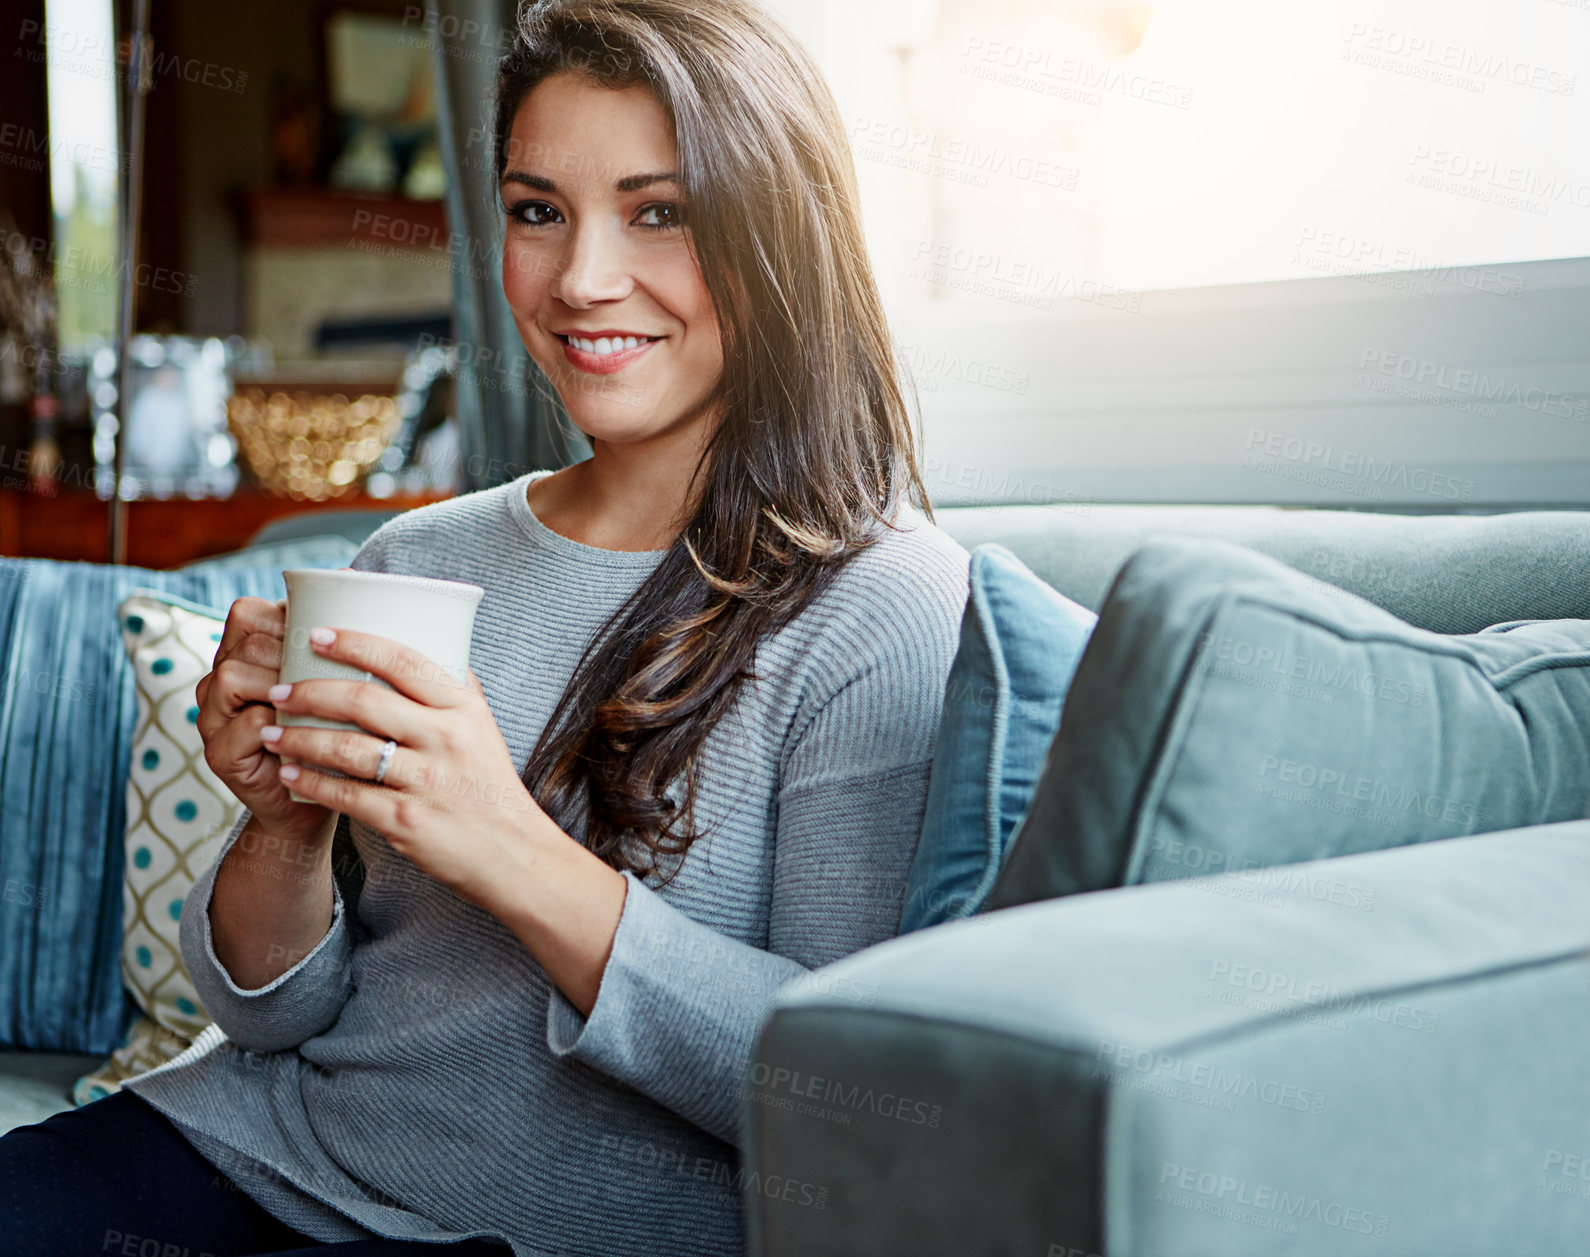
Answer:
(814, 448)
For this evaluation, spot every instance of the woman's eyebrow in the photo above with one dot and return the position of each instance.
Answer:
(539, 182)
(629, 183)
(634, 183)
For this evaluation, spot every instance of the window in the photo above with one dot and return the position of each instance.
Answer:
(78, 46)
(1231, 250)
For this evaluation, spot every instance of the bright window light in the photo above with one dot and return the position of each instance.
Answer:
(81, 76)
(1044, 152)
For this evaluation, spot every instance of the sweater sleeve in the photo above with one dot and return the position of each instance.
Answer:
(300, 1002)
(680, 1004)
(304, 1000)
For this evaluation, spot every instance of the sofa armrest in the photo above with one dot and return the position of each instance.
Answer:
(1378, 1053)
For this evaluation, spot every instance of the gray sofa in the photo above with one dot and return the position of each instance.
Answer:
(1250, 1063)
(1073, 1087)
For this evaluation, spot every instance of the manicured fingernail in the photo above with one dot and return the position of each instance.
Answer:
(271, 733)
(322, 636)
(289, 772)
(279, 693)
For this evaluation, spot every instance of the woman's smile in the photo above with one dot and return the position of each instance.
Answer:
(604, 352)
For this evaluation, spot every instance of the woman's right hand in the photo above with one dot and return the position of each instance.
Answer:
(233, 708)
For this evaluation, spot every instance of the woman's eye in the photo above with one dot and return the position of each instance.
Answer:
(661, 214)
(533, 213)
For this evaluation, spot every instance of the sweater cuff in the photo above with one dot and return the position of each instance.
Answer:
(676, 1014)
(569, 1032)
(324, 952)
(291, 1007)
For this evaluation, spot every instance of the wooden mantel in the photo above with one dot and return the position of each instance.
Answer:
(296, 218)
(72, 524)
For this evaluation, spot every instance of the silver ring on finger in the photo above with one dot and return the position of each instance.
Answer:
(388, 750)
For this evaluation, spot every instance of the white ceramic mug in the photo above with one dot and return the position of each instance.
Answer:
(433, 617)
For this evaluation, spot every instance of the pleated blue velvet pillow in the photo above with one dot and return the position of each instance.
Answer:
(1020, 644)
(67, 714)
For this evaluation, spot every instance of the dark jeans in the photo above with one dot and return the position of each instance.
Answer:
(115, 1177)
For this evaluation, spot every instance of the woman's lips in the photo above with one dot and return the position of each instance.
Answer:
(604, 364)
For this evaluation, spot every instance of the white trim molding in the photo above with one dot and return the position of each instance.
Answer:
(1466, 387)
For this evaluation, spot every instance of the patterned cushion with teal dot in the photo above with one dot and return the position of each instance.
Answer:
(146, 1045)
(178, 813)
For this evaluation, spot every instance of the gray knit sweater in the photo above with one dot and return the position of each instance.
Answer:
(418, 1076)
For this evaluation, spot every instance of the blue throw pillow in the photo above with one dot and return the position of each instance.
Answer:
(1020, 644)
(1234, 716)
(67, 714)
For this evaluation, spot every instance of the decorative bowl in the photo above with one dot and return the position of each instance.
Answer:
(310, 445)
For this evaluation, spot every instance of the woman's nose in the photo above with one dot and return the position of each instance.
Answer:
(594, 268)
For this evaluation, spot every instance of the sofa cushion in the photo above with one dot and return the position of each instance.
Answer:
(1020, 642)
(178, 814)
(1230, 714)
(147, 1045)
(36, 1085)
(1447, 573)
(67, 714)
(323, 549)
(318, 525)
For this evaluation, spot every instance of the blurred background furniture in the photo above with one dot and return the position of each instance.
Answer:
(301, 225)
(162, 534)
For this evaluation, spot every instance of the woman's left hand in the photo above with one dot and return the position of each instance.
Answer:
(451, 800)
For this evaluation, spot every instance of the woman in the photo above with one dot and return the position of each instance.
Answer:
(473, 1004)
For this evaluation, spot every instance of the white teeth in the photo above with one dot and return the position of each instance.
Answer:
(604, 345)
